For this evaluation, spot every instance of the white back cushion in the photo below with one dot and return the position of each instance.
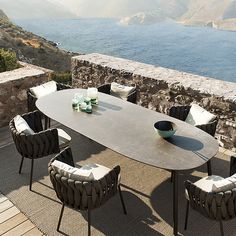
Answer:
(199, 116)
(44, 89)
(121, 91)
(87, 172)
(72, 172)
(22, 126)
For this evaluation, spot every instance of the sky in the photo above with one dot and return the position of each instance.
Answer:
(107, 8)
(79, 8)
(114, 8)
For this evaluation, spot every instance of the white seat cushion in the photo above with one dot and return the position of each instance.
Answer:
(199, 116)
(121, 91)
(223, 185)
(215, 184)
(22, 126)
(97, 170)
(207, 182)
(87, 172)
(64, 138)
(44, 89)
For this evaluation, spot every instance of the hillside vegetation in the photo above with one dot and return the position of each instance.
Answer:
(8, 60)
(32, 48)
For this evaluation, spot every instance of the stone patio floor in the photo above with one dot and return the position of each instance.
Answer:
(14, 223)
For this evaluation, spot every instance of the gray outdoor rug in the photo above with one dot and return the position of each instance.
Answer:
(147, 193)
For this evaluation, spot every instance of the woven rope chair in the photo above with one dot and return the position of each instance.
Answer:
(84, 196)
(106, 88)
(31, 100)
(38, 145)
(181, 113)
(216, 206)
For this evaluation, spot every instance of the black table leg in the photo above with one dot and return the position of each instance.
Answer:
(209, 168)
(175, 201)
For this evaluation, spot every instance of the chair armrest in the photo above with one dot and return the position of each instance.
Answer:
(31, 100)
(61, 86)
(132, 97)
(209, 128)
(34, 120)
(37, 145)
(48, 141)
(105, 88)
(64, 156)
(232, 165)
(179, 112)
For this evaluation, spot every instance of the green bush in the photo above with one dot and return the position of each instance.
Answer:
(62, 77)
(8, 60)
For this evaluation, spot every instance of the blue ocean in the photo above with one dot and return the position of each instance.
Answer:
(198, 50)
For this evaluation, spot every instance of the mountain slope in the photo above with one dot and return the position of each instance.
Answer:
(215, 13)
(32, 48)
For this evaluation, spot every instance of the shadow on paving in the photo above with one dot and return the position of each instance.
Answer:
(197, 223)
(147, 194)
(10, 161)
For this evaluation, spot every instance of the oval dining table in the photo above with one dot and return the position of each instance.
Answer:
(128, 129)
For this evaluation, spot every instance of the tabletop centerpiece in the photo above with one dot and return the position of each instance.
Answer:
(85, 103)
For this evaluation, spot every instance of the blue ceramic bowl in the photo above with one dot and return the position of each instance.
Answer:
(165, 128)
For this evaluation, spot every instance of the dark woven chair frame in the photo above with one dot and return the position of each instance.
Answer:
(83, 196)
(181, 113)
(106, 88)
(216, 206)
(232, 165)
(38, 145)
(31, 100)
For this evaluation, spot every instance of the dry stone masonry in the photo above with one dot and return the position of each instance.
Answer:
(13, 87)
(159, 88)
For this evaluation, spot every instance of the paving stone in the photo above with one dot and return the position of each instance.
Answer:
(5, 205)
(12, 222)
(9, 213)
(20, 229)
(2, 198)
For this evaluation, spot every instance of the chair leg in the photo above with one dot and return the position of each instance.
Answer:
(60, 217)
(46, 122)
(209, 168)
(89, 222)
(21, 164)
(186, 216)
(31, 173)
(122, 200)
(221, 228)
(171, 177)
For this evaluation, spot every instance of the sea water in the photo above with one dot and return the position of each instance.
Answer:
(198, 50)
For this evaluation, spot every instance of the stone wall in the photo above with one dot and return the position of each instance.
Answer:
(160, 88)
(13, 86)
